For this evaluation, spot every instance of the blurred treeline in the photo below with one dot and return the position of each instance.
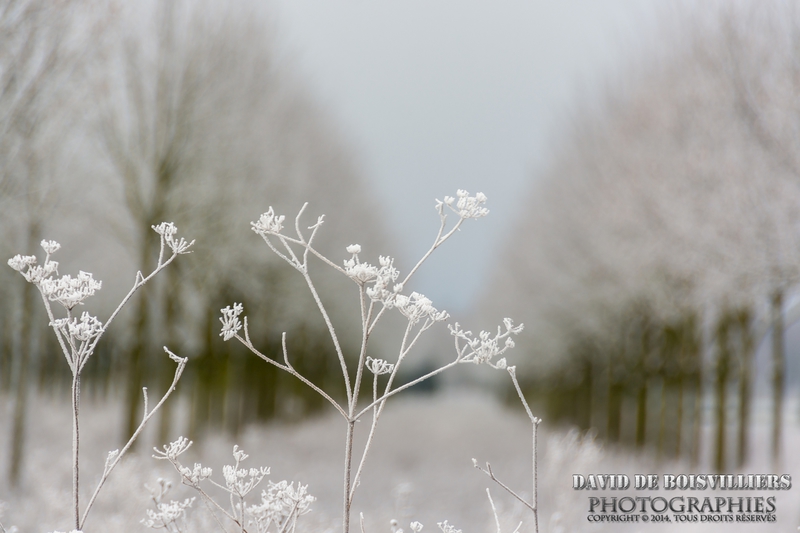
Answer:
(662, 245)
(116, 116)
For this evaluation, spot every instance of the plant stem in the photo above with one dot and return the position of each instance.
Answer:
(348, 463)
(76, 393)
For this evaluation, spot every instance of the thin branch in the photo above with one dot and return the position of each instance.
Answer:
(437, 242)
(181, 361)
(363, 352)
(334, 337)
(494, 510)
(288, 368)
(407, 385)
(58, 333)
(488, 472)
(376, 413)
(140, 281)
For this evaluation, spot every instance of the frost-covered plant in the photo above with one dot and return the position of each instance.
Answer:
(380, 289)
(170, 516)
(533, 505)
(78, 336)
(447, 528)
(281, 503)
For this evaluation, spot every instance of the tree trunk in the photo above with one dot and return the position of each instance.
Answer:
(171, 296)
(778, 369)
(641, 413)
(745, 380)
(21, 382)
(614, 405)
(721, 388)
(140, 343)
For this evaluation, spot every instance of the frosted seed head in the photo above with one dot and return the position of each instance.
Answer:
(447, 528)
(69, 291)
(165, 229)
(268, 223)
(19, 262)
(231, 325)
(466, 206)
(378, 366)
(50, 247)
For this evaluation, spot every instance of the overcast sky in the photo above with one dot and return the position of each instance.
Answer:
(436, 95)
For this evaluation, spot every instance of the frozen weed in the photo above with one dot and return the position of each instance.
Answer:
(380, 290)
(281, 503)
(78, 337)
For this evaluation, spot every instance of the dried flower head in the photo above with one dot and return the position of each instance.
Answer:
(268, 223)
(230, 321)
(447, 528)
(69, 291)
(416, 307)
(485, 347)
(167, 230)
(465, 206)
(378, 366)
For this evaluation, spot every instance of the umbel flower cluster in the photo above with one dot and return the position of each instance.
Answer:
(381, 289)
(78, 337)
(281, 503)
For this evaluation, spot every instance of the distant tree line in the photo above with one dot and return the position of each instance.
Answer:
(663, 242)
(116, 117)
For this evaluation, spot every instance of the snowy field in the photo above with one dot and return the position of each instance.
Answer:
(420, 469)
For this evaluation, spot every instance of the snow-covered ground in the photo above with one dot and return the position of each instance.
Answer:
(420, 469)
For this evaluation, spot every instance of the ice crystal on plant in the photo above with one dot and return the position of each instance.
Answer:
(69, 291)
(167, 514)
(485, 347)
(360, 272)
(447, 528)
(465, 206)
(416, 307)
(281, 502)
(50, 247)
(378, 366)
(230, 321)
(381, 277)
(268, 223)
(243, 480)
(386, 276)
(84, 330)
(167, 230)
(193, 476)
(172, 450)
(19, 262)
(35, 273)
(416, 527)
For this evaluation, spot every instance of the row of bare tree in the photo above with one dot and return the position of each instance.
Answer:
(116, 116)
(663, 243)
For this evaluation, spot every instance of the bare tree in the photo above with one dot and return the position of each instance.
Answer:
(202, 123)
(672, 203)
(40, 57)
